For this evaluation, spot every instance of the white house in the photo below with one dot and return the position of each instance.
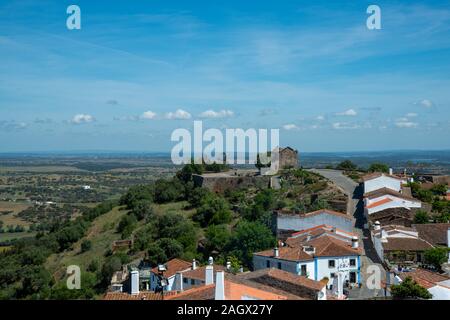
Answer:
(385, 198)
(317, 253)
(378, 180)
(437, 284)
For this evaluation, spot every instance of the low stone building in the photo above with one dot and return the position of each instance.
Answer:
(288, 158)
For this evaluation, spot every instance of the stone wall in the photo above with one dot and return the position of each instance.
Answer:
(219, 184)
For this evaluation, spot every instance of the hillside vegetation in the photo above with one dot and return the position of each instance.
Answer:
(168, 218)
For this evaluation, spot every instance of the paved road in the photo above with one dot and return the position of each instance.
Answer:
(355, 207)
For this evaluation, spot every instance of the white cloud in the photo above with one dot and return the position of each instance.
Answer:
(320, 118)
(216, 114)
(349, 112)
(426, 103)
(148, 115)
(82, 118)
(179, 114)
(411, 115)
(344, 126)
(290, 126)
(405, 124)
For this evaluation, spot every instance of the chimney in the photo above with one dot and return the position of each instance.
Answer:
(194, 264)
(355, 243)
(210, 261)
(276, 252)
(220, 286)
(228, 265)
(391, 171)
(134, 282)
(377, 225)
(179, 281)
(209, 275)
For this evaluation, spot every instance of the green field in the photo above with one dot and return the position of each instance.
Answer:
(7, 236)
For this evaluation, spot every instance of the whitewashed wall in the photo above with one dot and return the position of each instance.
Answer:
(382, 182)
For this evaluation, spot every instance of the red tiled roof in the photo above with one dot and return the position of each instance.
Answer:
(288, 277)
(199, 272)
(198, 293)
(406, 244)
(143, 295)
(379, 203)
(386, 191)
(173, 266)
(318, 230)
(328, 246)
(287, 253)
(424, 278)
(434, 233)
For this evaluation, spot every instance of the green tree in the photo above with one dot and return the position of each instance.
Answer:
(214, 210)
(217, 238)
(127, 225)
(168, 190)
(346, 165)
(155, 254)
(409, 289)
(436, 256)
(137, 193)
(439, 189)
(86, 245)
(250, 237)
(421, 217)
(143, 209)
(379, 167)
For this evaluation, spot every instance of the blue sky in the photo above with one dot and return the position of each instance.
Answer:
(139, 69)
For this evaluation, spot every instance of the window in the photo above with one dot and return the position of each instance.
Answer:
(331, 263)
(332, 275)
(352, 262)
(352, 277)
(185, 280)
(268, 264)
(279, 265)
(303, 270)
(192, 282)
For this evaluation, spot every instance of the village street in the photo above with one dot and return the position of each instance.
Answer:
(355, 208)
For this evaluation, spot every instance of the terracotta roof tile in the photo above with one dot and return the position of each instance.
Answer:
(379, 203)
(386, 191)
(143, 295)
(425, 278)
(173, 266)
(197, 293)
(406, 244)
(328, 246)
(434, 233)
(199, 272)
(287, 253)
